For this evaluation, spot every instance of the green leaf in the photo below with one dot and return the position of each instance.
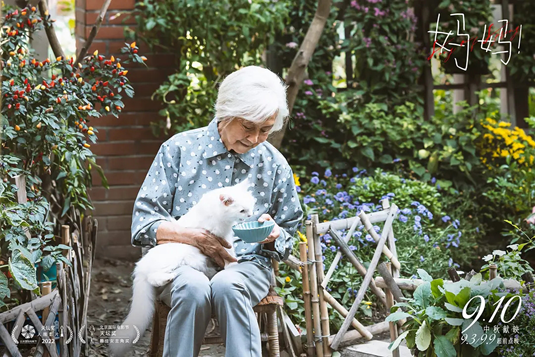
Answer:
(4, 286)
(476, 279)
(435, 287)
(435, 313)
(424, 275)
(23, 270)
(368, 152)
(398, 315)
(422, 294)
(392, 346)
(452, 307)
(47, 262)
(462, 297)
(474, 333)
(423, 337)
(453, 335)
(490, 343)
(386, 159)
(454, 321)
(443, 347)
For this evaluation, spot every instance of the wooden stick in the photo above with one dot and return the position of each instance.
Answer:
(314, 291)
(412, 284)
(325, 331)
(394, 290)
(453, 274)
(384, 270)
(338, 255)
(293, 263)
(286, 333)
(93, 32)
(50, 31)
(346, 223)
(358, 265)
(306, 298)
(355, 323)
(8, 341)
(493, 271)
(36, 305)
(368, 277)
(369, 228)
(66, 239)
(353, 336)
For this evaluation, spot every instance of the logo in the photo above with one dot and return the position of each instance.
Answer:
(28, 331)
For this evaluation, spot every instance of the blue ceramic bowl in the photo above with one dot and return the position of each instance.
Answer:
(253, 232)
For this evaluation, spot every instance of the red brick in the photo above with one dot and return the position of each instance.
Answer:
(129, 134)
(107, 32)
(114, 5)
(99, 46)
(91, 18)
(146, 89)
(144, 104)
(113, 149)
(119, 223)
(115, 178)
(150, 75)
(80, 16)
(148, 118)
(113, 208)
(97, 193)
(124, 193)
(149, 147)
(130, 163)
(120, 18)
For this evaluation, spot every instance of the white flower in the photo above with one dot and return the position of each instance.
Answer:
(487, 257)
(499, 252)
(513, 246)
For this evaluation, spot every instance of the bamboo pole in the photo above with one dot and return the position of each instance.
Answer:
(358, 265)
(369, 275)
(346, 223)
(306, 297)
(325, 331)
(314, 291)
(369, 228)
(355, 323)
(338, 255)
(385, 269)
(66, 239)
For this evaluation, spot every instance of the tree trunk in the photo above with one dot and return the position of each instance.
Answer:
(297, 70)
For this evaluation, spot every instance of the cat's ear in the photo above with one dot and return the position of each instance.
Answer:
(227, 200)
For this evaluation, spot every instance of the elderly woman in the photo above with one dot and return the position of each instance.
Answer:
(251, 104)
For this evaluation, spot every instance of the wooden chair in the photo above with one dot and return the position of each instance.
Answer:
(266, 312)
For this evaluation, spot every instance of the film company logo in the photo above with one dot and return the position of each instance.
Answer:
(28, 335)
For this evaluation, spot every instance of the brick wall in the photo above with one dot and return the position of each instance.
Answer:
(126, 146)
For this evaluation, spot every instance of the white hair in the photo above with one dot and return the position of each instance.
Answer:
(252, 93)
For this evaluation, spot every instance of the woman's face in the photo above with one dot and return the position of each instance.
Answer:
(241, 135)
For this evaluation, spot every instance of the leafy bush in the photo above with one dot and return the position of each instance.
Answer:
(46, 135)
(521, 331)
(435, 317)
(209, 40)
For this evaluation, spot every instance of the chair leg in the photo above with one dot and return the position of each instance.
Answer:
(273, 334)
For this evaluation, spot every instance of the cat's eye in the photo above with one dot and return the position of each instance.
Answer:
(242, 211)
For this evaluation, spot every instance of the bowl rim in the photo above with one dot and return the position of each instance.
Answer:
(264, 225)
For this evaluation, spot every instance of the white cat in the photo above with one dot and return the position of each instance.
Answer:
(217, 211)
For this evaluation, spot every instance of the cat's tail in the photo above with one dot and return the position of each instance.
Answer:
(138, 318)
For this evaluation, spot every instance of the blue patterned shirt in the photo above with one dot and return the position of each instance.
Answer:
(196, 161)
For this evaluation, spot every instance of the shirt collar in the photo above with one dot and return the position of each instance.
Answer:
(219, 148)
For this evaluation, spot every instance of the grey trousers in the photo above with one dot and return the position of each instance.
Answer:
(230, 296)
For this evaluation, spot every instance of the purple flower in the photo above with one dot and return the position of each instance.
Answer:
(369, 238)
(406, 211)
(396, 160)
(355, 169)
(323, 183)
(352, 180)
(315, 180)
(426, 238)
(445, 219)
(450, 262)
(314, 173)
(433, 180)
(328, 173)
(298, 189)
(422, 258)
(308, 92)
(308, 82)
(338, 186)
(402, 218)
(352, 247)
(308, 199)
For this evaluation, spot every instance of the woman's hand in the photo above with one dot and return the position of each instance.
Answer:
(275, 233)
(210, 245)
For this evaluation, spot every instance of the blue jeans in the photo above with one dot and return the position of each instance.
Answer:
(230, 296)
